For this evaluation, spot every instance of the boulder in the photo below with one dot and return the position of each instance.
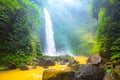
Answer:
(46, 62)
(76, 67)
(89, 72)
(64, 62)
(65, 59)
(52, 74)
(95, 60)
(111, 76)
(72, 62)
(76, 72)
(24, 68)
(63, 76)
(12, 66)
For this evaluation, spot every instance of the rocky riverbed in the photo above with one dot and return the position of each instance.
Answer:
(65, 68)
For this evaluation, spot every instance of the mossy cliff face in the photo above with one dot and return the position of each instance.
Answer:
(20, 21)
(108, 35)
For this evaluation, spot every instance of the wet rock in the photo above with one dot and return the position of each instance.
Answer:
(63, 60)
(63, 76)
(76, 67)
(48, 73)
(89, 72)
(58, 75)
(46, 62)
(111, 76)
(24, 68)
(72, 62)
(95, 59)
(76, 72)
(12, 66)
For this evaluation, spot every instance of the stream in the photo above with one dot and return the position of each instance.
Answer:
(34, 74)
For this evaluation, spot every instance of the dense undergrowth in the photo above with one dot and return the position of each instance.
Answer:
(108, 34)
(20, 22)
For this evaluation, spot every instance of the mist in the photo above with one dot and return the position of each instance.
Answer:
(74, 28)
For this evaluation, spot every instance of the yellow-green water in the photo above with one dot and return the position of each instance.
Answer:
(34, 74)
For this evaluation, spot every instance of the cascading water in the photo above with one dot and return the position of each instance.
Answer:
(50, 43)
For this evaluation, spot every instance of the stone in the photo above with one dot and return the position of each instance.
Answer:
(52, 74)
(76, 72)
(63, 76)
(46, 62)
(12, 66)
(24, 68)
(64, 59)
(89, 72)
(95, 60)
(72, 62)
(111, 76)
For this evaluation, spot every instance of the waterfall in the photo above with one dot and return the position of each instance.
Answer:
(50, 43)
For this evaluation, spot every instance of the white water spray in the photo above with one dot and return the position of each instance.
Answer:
(50, 43)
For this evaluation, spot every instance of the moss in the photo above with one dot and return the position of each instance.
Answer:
(116, 56)
(2, 68)
(102, 12)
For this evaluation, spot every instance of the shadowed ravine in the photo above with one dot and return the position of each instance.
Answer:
(34, 74)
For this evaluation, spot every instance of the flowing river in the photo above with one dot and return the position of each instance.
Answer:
(34, 74)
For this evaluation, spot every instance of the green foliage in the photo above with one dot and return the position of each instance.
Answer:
(94, 8)
(109, 70)
(36, 50)
(102, 12)
(2, 68)
(116, 57)
(66, 57)
(11, 5)
(70, 57)
(20, 58)
(109, 26)
(115, 45)
(19, 21)
(112, 1)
